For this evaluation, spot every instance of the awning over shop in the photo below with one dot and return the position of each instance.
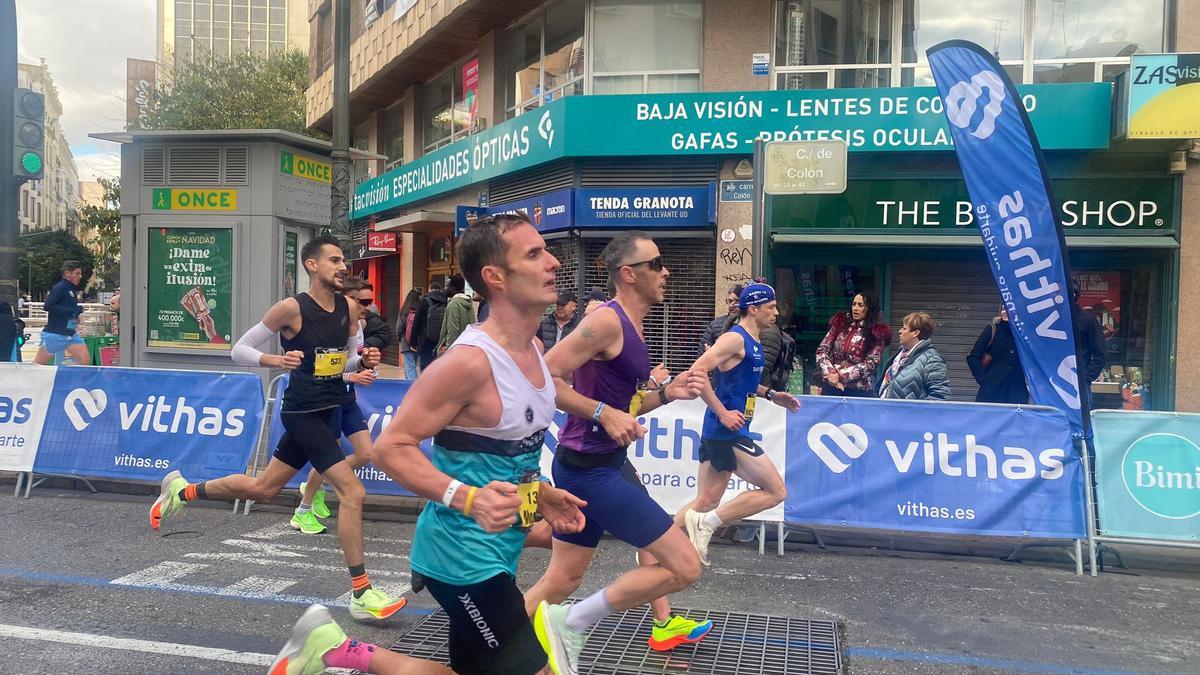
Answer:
(960, 240)
(418, 221)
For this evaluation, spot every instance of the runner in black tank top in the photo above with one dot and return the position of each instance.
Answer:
(314, 328)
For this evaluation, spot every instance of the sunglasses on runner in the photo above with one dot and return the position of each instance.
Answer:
(655, 263)
(366, 302)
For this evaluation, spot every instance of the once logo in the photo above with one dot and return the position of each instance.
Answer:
(93, 403)
(849, 438)
(963, 100)
(1162, 474)
(546, 129)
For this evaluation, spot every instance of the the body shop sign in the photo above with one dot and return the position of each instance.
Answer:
(1074, 116)
(1088, 206)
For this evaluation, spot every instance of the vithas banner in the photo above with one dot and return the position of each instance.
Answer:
(1017, 216)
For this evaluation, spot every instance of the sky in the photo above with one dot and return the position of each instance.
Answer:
(85, 44)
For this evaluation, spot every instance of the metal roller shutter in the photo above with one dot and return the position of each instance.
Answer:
(569, 252)
(673, 330)
(961, 297)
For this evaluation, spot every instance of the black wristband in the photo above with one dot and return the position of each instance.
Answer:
(662, 396)
(769, 395)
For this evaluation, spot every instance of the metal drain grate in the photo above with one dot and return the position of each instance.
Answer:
(740, 644)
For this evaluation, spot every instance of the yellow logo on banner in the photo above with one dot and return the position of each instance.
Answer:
(304, 167)
(194, 199)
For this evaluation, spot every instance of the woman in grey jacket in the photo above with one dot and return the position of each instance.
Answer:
(916, 371)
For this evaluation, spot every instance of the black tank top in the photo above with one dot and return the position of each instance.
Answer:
(317, 384)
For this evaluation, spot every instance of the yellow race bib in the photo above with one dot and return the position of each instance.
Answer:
(528, 492)
(635, 403)
(329, 363)
(749, 412)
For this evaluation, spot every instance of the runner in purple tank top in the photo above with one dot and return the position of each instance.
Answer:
(607, 361)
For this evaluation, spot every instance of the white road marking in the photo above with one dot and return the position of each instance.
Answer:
(162, 574)
(283, 529)
(766, 575)
(260, 586)
(145, 646)
(276, 562)
(290, 550)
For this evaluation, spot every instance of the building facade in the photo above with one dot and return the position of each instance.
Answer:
(599, 115)
(188, 29)
(51, 203)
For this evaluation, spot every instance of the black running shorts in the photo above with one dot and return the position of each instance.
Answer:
(309, 438)
(490, 634)
(720, 453)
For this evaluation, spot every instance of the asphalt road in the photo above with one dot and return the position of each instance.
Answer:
(86, 586)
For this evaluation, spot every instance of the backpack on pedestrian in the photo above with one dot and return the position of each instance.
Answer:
(785, 363)
(433, 321)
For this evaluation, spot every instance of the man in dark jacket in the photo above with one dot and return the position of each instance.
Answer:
(723, 323)
(1090, 338)
(377, 333)
(427, 326)
(1002, 380)
(62, 316)
(561, 322)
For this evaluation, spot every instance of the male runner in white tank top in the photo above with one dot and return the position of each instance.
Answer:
(486, 403)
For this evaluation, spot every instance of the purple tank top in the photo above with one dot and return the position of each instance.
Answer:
(613, 382)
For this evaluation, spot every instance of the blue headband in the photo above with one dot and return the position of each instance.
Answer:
(756, 294)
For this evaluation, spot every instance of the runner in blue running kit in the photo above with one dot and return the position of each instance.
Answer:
(607, 358)
(725, 443)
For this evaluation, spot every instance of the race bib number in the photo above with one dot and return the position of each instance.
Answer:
(635, 403)
(750, 401)
(527, 490)
(329, 363)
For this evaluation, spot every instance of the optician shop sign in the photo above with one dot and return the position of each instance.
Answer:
(1089, 206)
(1164, 96)
(1065, 116)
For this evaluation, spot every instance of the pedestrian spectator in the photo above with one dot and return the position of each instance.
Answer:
(917, 371)
(8, 333)
(593, 300)
(61, 333)
(376, 333)
(460, 313)
(428, 325)
(718, 326)
(561, 322)
(23, 306)
(114, 304)
(850, 353)
(404, 329)
(1090, 340)
(482, 314)
(996, 365)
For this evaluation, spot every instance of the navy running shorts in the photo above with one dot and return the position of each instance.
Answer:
(720, 452)
(350, 419)
(618, 503)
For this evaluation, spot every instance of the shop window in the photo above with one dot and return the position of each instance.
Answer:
(809, 295)
(643, 46)
(1128, 305)
(544, 57)
(449, 108)
(846, 33)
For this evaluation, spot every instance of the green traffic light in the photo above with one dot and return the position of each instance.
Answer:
(31, 162)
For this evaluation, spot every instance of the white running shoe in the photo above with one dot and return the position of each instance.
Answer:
(699, 533)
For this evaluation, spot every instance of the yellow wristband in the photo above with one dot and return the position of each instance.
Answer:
(470, 498)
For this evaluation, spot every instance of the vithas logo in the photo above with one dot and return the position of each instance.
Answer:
(963, 100)
(82, 402)
(849, 438)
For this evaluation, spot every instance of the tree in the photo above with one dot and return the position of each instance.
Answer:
(246, 91)
(41, 257)
(105, 222)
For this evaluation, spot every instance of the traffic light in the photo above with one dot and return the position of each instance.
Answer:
(29, 134)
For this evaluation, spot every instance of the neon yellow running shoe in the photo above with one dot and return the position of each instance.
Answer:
(561, 644)
(168, 502)
(314, 635)
(677, 631)
(375, 604)
(307, 523)
(319, 506)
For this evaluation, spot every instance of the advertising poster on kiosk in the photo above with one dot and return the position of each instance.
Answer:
(189, 287)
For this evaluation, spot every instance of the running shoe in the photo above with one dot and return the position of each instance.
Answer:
(375, 604)
(678, 631)
(562, 644)
(319, 506)
(168, 502)
(314, 635)
(699, 533)
(307, 523)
